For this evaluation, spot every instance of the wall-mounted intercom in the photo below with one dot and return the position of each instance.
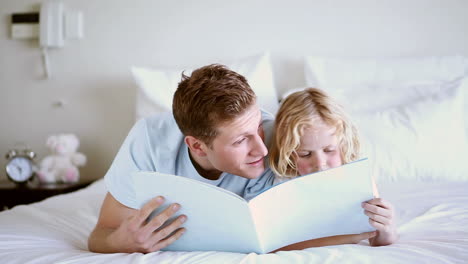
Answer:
(52, 25)
(51, 20)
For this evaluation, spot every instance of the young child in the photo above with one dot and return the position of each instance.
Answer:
(313, 133)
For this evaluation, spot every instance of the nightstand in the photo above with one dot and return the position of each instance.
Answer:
(12, 194)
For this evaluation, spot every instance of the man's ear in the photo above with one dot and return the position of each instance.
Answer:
(196, 146)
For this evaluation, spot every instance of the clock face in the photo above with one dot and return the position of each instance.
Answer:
(19, 169)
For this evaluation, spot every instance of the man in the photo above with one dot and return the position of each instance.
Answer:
(215, 135)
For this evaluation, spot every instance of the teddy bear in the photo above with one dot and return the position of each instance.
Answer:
(63, 162)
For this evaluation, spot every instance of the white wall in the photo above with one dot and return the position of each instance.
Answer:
(92, 75)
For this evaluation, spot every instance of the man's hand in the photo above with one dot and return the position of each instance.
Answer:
(381, 216)
(133, 233)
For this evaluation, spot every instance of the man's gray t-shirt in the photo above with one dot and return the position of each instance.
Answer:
(156, 144)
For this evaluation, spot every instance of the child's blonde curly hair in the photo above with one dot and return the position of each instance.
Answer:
(304, 109)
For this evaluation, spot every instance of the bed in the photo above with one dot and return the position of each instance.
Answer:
(432, 223)
(420, 166)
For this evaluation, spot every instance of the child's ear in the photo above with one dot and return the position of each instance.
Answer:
(196, 146)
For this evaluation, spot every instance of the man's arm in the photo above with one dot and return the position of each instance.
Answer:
(123, 229)
(328, 241)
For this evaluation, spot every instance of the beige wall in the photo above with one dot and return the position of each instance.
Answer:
(92, 75)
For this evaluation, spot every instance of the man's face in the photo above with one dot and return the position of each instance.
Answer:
(238, 148)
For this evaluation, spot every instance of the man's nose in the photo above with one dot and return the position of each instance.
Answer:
(259, 148)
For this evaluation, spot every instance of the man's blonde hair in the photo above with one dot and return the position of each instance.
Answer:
(307, 109)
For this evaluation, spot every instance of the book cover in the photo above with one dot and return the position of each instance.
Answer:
(320, 204)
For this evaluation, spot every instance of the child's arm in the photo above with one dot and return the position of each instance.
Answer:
(381, 214)
(329, 241)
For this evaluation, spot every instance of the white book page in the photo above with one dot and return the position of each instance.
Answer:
(216, 220)
(322, 204)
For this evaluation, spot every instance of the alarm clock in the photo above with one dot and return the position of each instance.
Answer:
(20, 165)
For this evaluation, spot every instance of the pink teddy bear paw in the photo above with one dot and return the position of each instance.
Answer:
(71, 175)
(41, 176)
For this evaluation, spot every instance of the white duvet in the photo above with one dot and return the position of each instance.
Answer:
(432, 221)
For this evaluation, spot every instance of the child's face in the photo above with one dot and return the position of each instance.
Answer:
(319, 150)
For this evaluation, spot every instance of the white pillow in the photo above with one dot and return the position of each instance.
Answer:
(424, 140)
(156, 87)
(350, 73)
(378, 97)
(398, 78)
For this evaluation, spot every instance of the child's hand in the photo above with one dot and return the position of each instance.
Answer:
(381, 216)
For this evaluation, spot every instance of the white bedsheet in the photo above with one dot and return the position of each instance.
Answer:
(432, 222)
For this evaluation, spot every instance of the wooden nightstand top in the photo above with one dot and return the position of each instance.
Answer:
(35, 185)
(12, 194)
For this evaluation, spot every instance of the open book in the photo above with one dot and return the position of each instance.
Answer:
(321, 204)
